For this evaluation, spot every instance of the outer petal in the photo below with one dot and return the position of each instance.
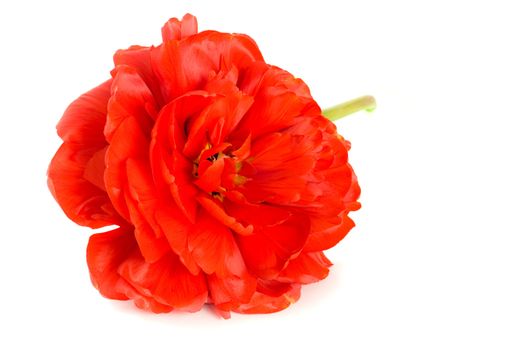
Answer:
(306, 268)
(84, 119)
(279, 99)
(130, 98)
(265, 304)
(167, 281)
(105, 253)
(186, 65)
(279, 170)
(326, 234)
(176, 228)
(267, 251)
(129, 142)
(353, 193)
(214, 248)
(139, 58)
(75, 172)
(176, 30)
(230, 292)
(216, 251)
(131, 111)
(128, 180)
(81, 199)
(143, 201)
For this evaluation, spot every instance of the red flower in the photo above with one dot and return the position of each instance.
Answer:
(224, 178)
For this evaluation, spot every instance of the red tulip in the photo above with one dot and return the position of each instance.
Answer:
(225, 179)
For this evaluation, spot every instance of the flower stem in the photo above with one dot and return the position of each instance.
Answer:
(367, 103)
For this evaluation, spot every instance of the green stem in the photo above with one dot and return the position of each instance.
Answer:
(367, 103)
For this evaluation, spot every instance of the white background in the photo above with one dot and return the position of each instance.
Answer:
(437, 260)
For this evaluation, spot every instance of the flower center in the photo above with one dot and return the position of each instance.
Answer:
(216, 170)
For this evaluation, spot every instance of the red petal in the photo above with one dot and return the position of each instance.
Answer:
(214, 249)
(273, 288)
(279, 99)
(353, 193)
(167, 281)
(142, 201)
(169, 166)
(215, 122)
(82, 201)
(264, 304)
(217, 211)
(326, 238)
(281, 166)
(256, 214)
(105, 253)
(128, 141)
(230, 292)
(74, 175)
(131, 188)
(130, 98)
(210, 179)
(131, 111)
(152, 247)
(139, 58)
(186, 65)
(176, 229)
(146, 303)
(266, 252)
(84, 119)
(244, 149)
(95, 167)
(306, 268)
(177, 30)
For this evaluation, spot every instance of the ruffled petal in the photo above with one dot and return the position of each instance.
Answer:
(217, 211)
(185, 65)
(306, 268)
(215, 122)
(256, 214)
(176, 228)
(129, 142)
(265, 304)
(95, 167)
(172, 172)
(177, 30)
(273, 288)
(353, 193)
(267, 251)
(214, 248)
(80, 197)
(142, 201)
(75, 174)
(326, 233)
(279, 99)
(83, 121)
(130, 98)
(131, 112)
(167, 281)
(229, 292)
(139, 58)
(279, 169)
(105, 253)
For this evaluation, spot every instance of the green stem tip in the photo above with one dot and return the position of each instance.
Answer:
(367, 103)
